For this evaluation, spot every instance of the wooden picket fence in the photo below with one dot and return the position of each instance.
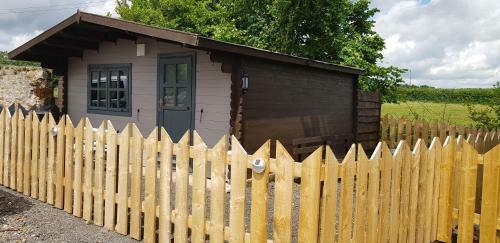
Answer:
(157, 190)
(394, 129)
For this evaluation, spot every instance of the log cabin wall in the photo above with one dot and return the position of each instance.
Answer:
(286, 101)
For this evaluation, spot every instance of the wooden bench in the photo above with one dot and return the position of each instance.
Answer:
(302, 147)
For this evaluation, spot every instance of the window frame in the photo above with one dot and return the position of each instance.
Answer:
(108, 68)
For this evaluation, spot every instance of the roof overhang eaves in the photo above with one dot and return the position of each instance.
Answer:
(209, 43)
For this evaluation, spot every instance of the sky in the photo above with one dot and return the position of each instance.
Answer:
(443, 43)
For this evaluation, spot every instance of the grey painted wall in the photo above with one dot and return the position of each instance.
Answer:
(213, 87)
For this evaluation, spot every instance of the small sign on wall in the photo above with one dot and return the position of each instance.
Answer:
(141, 50)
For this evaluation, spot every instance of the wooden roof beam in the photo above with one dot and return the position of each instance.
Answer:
(55, 52)
(72, 44)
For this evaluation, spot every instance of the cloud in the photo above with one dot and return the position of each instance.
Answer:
(446, 43)
(20, 22)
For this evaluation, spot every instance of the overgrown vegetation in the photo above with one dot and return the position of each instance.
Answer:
(490, 115)
(335, 31)
(4, 60)
(455, 96)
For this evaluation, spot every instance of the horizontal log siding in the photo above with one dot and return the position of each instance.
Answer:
(285, 102)
(213, 87)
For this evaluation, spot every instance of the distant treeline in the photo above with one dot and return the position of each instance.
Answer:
(439, 95)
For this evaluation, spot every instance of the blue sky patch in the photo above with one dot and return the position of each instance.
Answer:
(425, 2)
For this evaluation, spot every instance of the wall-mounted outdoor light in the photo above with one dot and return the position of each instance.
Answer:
(244, 82)
(53, 131)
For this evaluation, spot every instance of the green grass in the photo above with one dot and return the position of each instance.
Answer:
(451, 113)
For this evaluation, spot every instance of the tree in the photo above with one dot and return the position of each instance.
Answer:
(335, 31)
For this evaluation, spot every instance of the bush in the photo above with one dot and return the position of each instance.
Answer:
(439, 95)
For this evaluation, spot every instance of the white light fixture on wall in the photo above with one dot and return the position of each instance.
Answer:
(244, 82)
(141, 50)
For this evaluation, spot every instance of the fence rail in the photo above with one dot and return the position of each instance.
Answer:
(394, 129)
(158, 190)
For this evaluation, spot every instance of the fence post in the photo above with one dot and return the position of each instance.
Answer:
(199, 188)
(99, 175)
(309, 197)
(78, 174)
(123, 181)
(20, 152)
(218, 189)
(165, 187)
(329, 203)
(68, 168)
(135, 183)
(13, 149)
(27, 154)
(489, 204)
(346, 191)
(151, 147)
(467, 194)
(373, 193)
(35, 148)
(88, 173)
(111, 164)
(181, 190)
(445, 225)
(238, 193)
(258, 213)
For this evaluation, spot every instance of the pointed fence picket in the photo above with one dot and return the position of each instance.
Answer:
(154, 189)
(394, 129)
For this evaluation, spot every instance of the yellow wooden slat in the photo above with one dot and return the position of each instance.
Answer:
(78, 174)
(111, 164)
(2, 139)
(42, 170)
(69, 166)
(429, 178)
(199, 188)
(422, 193)
(59, 164)
(35, 150)
(445, 191)
(238, 195)
(415, 170)
(346, 194)
(218, 190)
(151, 151)
(283, 189)
(181, 189)
(436, 187)
(490, 197)
(88, 176)
(51, 160)
(373, 194)
(13, 150)
(361, 191)
(20, 152)
(396, 160)
(165, 187)
(467, 194)
(404, 212)
(258, 213)
(385, 195)
(123, 174)
(27, 154)
(99, 175)
(135, 183)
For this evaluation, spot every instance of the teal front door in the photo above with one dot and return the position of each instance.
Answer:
(175, 83)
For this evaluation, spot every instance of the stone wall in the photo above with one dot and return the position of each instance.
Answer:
(27, 86)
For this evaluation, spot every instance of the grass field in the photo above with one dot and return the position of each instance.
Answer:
(451, 113)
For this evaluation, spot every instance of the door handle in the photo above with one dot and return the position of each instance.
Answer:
(161, 103)
(188, 108)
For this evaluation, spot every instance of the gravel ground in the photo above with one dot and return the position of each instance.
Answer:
(29, 220)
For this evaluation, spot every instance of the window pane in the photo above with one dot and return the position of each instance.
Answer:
(168, 96)
(169, 73)
(122, 100)
(123, 79)
(103, 79)
(113, 99)
(181, 97)
(94, 79)
(93, 98)
(181, 72)
(114, 79)
(102, 98)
